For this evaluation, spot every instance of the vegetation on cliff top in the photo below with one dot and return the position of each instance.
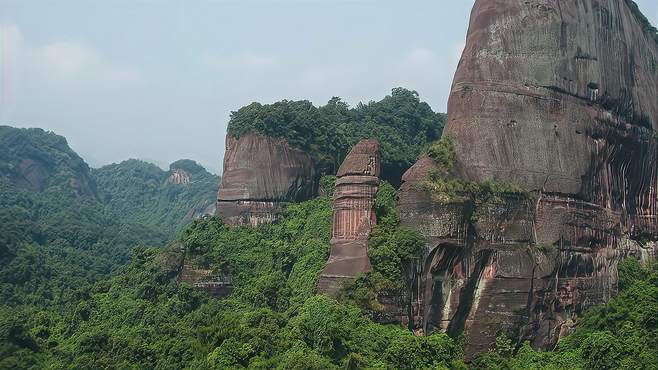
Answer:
(401, 122)
(446, 189)
(443, 153)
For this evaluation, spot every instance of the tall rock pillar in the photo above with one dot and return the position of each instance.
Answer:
(353, 216)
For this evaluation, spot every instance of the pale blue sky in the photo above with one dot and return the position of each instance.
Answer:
(157, 79)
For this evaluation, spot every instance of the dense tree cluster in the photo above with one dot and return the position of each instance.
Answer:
(393, 252)
(144, 318)
(402, 123)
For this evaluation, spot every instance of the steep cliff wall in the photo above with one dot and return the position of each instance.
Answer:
(353, 216)
(563, 90)
(557, 98)
(261, 173)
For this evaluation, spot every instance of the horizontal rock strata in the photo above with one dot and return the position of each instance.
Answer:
(353, 216)
(260, 175)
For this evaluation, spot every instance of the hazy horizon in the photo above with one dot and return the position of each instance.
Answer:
(157, 79)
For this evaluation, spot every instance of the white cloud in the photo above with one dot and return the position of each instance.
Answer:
(71, 61)
(65, 62)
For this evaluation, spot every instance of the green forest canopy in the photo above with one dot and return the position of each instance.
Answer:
(142, 194)
(402, 123)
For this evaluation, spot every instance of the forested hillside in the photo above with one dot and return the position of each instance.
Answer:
(59, 228)
(144, 318)
(144, 194)
(518, 231)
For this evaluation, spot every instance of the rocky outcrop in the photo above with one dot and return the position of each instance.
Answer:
(260, 174)
(557, 98)
(178, 177)
(214, 283)
(353, 216)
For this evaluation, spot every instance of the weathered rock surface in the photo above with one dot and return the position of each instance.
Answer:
(561, 88)
(260, 174)
(216, 284)
(178, 177)
(353, 216)
(558, 98)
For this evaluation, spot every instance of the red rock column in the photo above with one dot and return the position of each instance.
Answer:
(353, 218)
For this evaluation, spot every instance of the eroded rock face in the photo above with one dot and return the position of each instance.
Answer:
(216, 284)
(561, 90)
(179, 177)
(260, 174)
(559, 99)
(353, 216)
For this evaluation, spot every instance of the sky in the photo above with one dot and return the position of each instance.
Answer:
(158, 79)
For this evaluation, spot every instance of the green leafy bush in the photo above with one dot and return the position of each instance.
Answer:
(443, 153)
(393, 250)
(328, 185)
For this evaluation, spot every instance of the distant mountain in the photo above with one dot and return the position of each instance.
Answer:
(166, 200)
(63, 224)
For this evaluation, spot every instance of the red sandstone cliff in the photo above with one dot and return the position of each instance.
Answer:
(261, 173)
(353, 216)
(560, 89)
(558, 98)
